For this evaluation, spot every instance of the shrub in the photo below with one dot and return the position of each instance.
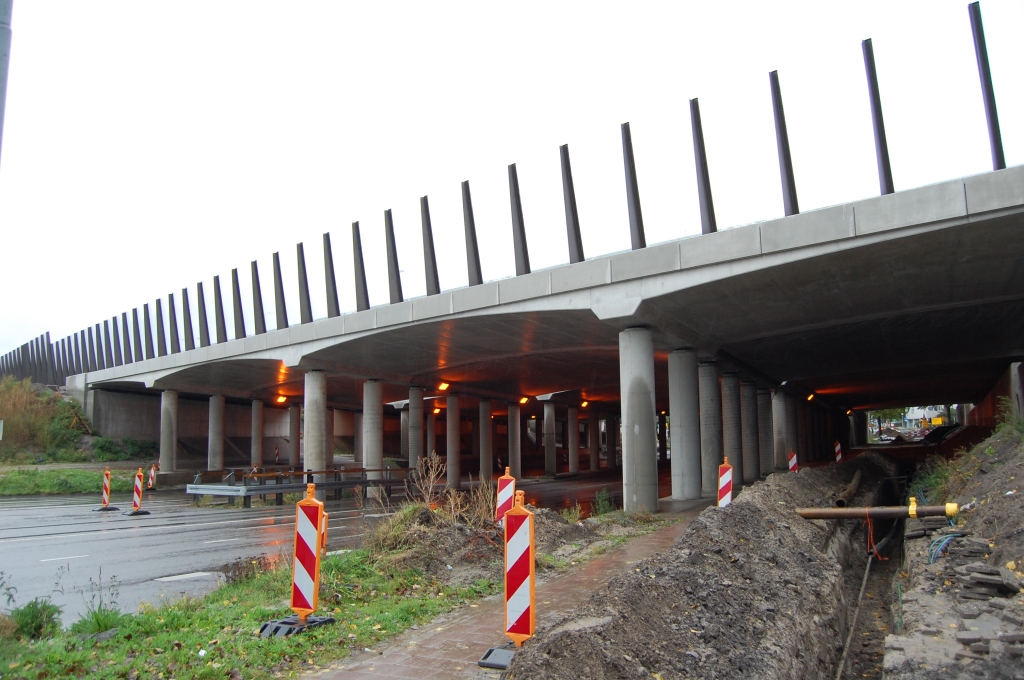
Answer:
(107, 449)
(1007, 419)
(37, 417)
(603, 503)
(38, 618)
(572, 514)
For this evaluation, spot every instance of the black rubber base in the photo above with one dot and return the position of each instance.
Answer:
(132, 513)
(108, 508)
(290, 625)
(496, 657)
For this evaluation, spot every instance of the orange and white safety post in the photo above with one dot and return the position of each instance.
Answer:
(137, 497)
(839, 452)
(151, 482)
(506, 495)
(310, 541)
(520, 577)
(105, 505)
(724, 483)
(793, 467)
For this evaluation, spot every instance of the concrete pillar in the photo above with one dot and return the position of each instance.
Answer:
(328, 437)
(749, 434)
(550, 453)
(791, 428)
(373, 428)
(415, 426)
(404, 446)
(662, 437)
(710, 395)
(765, 432)
(639, 440)
(357, 439)
(732, 444)
(486, 448)
(573, 440)
(215, 447)
(515, 441)
(168, 431)
(452, 443)
(594, 438)
(294, 420)
(779, 420)
(431, 430)
(314, 411)
(684, 414)
(801, 432)
(256, 448)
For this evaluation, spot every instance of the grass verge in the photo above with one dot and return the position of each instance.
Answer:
(25, 482)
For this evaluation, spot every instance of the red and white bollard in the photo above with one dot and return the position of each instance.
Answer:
(839, 452)
(506, 495)
(793, 467)
(137, 497)
(277, 455)
(105, 505)
(724, 483)
(520, 579)
(151, 482)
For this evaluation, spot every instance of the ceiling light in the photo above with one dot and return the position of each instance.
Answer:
(584, 404)
(849, 412)
(524, 400)
(436, 411)
(662, 413)
(533, 417)
(282, 399)
(443, 386)
(810, 396)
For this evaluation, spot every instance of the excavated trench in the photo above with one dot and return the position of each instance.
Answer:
(751, 590)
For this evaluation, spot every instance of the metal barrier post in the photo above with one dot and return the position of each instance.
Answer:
(279, 497)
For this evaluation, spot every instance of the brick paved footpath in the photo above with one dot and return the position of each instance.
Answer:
(450, 646)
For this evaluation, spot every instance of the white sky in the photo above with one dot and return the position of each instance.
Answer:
(151, 145)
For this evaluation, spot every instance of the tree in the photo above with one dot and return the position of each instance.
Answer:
(887, 414)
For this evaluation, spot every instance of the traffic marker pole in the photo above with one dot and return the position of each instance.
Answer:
(724, 483)
(137, 497)
(105, 499)
(310, 543)
(277, 455)
(151, 482)
(839, 452)
(793, 467)
(506, 495)
(520, 578)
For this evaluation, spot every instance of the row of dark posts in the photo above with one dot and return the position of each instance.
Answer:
(92, 349)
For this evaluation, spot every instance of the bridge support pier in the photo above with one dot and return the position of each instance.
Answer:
(710, 395)
(415, 426)
(431, 446)
(453, 443)
(548, 431)
(256, 448)
(168, 431)
(373, 428)
(594, 438)
(515, 442)
(684, 414)
(215, 445)
(313, 426)
(791, 429)
(357, 439)
(779, 420)
(486, 441)
(801, 432)
(328, 434)
(573, 440)
(765, 432)
(749, 435)
(404, 432)
(662, 437)
(639, 441)
(732, 446)
(295, 450)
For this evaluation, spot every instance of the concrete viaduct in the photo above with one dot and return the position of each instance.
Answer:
(750, 342)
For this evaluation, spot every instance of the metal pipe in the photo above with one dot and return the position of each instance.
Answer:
(850, 491)
(881, 145)
(985, 74)
(896, 512)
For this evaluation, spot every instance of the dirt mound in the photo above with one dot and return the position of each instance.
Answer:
(751, 590)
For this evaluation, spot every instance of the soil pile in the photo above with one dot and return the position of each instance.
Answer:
(751, 590)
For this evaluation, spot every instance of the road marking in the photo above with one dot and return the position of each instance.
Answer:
(58, 559)
(182, 577)
(221, 540)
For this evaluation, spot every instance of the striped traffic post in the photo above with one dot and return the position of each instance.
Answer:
(793, 467)
(137, 497)
(105, 498)
(724, 483)
(520, 581)
(151, 482)
(839, 452)
(506, 494)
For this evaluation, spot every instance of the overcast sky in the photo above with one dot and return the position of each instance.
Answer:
(152, 145)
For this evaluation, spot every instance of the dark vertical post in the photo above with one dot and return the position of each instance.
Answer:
(305, 308)
(572, 215)
(236, 304)
(981, 52)
(93, 366)
(636, 218)
(161, 337)
(127, 338)
(108, 350)
(394, 274)
(100, 360)
(204, 321)
(64, 370)
(522, 253)
(789, 201)
(280, 310)
(429, 258)
(186, 313)
(218, 312)
(33, 360)
(257, 301)
(148, 329)
(172, 322)
(79, 364)
(708, 224)
(362, 294)
(5, 55)
(472, 251)
(118, 355)
(333, 307)
(881, 146)
(51, 364)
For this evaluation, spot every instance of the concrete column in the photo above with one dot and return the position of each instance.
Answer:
(765, 432)
(215, 447)
(573, 440)
(801, 432)
(452, 443)
(373, 428)
(550, 453)
(357, 439)
(431, 430)
(294, 421)
(515, 441)
(662, 437)
(486, 441)
(256, 449)
(684, 414)
(594, 438)
(791, 429)
(314, 411)
(710, 395)
(168, 431)
(404, 415)
(639, 440)
(415, 426)
(328, 437)
(732, 444)
(749, 433)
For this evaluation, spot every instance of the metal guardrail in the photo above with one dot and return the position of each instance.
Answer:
(256, 484)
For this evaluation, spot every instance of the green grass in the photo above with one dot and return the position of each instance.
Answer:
(38, 420)
(369, 607)
(30, 482)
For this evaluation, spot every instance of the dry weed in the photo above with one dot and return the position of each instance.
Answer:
(429, 471)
